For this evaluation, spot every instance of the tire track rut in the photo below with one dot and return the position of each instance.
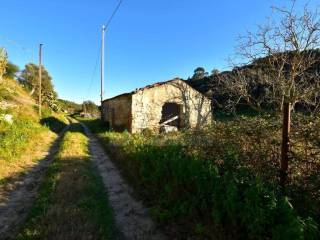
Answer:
(132, 218)
(16, 201)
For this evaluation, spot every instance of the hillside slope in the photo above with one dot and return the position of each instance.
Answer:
(23, 140)
(212, 86)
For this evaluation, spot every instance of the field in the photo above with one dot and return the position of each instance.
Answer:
(222, 182)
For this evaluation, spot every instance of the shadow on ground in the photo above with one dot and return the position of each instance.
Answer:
(96, 125)
(18, 191)
(54, 124)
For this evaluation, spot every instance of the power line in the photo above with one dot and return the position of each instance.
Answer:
(94, 70)
(19, 45)
(104, 28)
(40, 77)
(99, 49)
(113, 14)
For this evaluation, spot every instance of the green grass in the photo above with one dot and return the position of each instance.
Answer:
(25, 140)
(14, 138)
(72, 202)
(242, 111)
(220, 182)
(96, 125)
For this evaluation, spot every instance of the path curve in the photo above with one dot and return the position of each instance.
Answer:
(132, 218)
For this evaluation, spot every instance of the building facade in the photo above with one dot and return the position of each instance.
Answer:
(166, 105)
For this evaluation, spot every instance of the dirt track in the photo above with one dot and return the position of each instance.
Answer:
(131, 216)
(16, 200)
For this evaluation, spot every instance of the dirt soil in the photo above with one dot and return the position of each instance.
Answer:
(132, 218)
(17, 198)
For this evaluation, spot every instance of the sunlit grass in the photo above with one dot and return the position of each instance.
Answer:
(27, 139)
(34, 151)
(220, 182)
(72, 203)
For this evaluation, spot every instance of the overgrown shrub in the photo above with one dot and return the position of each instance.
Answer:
(222, 182)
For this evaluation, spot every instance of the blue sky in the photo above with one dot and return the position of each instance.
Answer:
(147, 42)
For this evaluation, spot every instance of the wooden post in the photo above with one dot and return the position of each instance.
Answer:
(3, 63)
(285, 144)
(40, 78)
(102, 70)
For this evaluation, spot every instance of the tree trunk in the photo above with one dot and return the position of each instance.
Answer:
(32, 91)
(285, 144)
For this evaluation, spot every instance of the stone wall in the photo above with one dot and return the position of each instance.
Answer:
(117, 112)
(147, 106)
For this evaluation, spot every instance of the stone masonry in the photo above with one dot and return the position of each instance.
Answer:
(151, 106)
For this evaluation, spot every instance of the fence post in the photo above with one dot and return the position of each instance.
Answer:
(285, 144)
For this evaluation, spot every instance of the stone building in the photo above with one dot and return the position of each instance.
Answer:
(166, 106)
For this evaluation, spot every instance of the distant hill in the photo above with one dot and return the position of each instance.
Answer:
(211, 86)
(69, 106)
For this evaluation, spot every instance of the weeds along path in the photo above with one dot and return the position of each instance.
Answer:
(131, 216)
(72, 202)
(17, 200)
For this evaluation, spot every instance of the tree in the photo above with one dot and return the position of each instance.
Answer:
(215, 72)
(283, 55)
(90, 108)
(199, 73)
(11, 70)
(69, 106)
(30, 79)
(3, 62)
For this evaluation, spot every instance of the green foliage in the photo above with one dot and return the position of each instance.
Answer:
(215, 72)
(71, 199)
(51, 101)
(199, 73)
(69, 106)
(14, 138)
(3, 62)
(222, 181)
(96, 125)
(90, 108)
(255, 79)
(30, 79)
(11, 70)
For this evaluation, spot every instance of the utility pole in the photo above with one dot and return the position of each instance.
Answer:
(102, 68)
(40, 77)
(102, 62)
(84, 109)
(104, 27)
